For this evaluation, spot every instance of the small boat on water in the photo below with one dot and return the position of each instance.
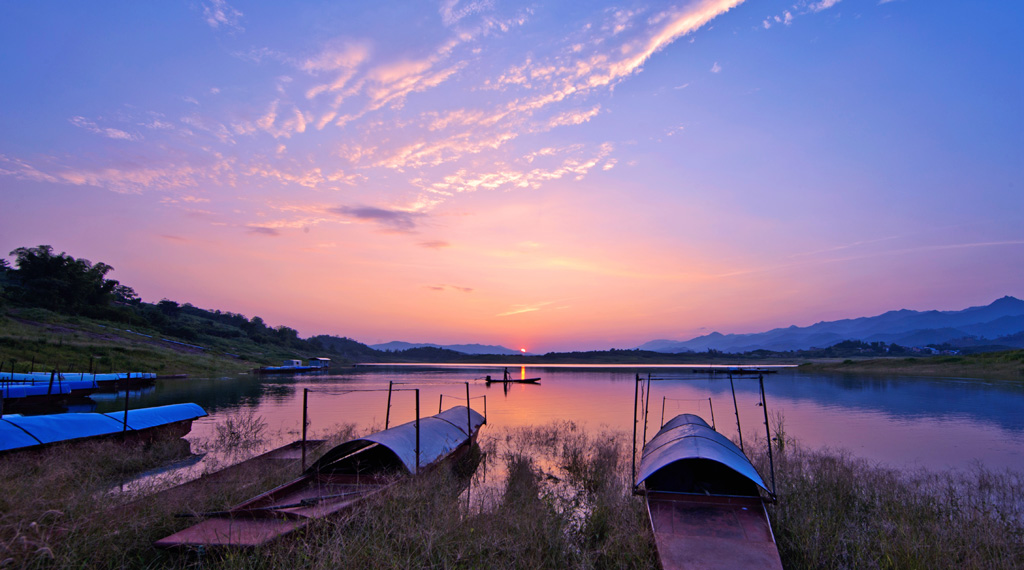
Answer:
(23, 432)
(507, 378)
(490, 380)
(342, 478)
(705, 499)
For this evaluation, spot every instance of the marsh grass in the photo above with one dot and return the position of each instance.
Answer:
(547, 497)
(552, 496)
(838, 511)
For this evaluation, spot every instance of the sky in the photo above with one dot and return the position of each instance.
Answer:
(551, 176)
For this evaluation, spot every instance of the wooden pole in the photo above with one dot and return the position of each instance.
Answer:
(767, 431)
(387, 414)
(124, 430)
(647, 406)
(469, 417)
(636, 395)
(305, 422)
(417, 431)
(735, 406)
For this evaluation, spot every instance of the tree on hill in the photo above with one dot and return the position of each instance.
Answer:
(61, 283)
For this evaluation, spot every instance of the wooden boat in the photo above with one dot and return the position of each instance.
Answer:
(490, 380)
(507, 378)
(704, 500)
(286, 458)
(342, 478)
(21, 432)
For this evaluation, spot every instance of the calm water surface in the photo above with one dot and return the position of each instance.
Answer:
(899, 421)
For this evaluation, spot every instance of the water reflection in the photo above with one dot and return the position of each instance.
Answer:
(904, 422)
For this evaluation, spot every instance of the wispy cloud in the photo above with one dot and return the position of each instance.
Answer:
(263, 231)
(109, 132)
(520, 309)
(219, 13)
(344, 111)
(397, 221)
(452, 11)
(455, 288)
(434, 244)
(800, 8)
(822, 5)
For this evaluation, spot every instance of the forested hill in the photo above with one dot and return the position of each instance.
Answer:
(44, 286)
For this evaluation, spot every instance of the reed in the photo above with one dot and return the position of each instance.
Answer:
(838, 511)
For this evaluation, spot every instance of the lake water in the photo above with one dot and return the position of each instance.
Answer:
(904, 422)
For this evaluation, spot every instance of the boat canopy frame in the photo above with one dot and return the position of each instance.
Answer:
(688, 439)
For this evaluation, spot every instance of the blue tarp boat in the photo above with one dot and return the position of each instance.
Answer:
(21, 432)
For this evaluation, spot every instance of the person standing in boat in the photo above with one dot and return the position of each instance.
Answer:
(507, 377)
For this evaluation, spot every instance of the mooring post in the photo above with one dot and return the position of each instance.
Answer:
(712, 408)
(417, 431)
(124, 430)
(305, 422)
(647, 405)
(735, 406)
(636, 395)
(469, 416)
(767, 431)
(387, 414)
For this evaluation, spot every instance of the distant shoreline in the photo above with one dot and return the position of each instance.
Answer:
(1008, 365)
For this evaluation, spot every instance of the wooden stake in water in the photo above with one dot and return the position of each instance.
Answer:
(417, 431)
(305, 407)
(736, 407)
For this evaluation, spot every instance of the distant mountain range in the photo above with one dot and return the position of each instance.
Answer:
(396, 346)
(1000, 324)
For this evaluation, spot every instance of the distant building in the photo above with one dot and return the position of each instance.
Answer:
(319, 362)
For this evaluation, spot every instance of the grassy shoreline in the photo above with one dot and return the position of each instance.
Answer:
(1007, 365)
(552, 496)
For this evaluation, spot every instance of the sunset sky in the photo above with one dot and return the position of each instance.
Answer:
(540, 175)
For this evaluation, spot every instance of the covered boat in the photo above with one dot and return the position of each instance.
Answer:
(343, 477)
(704, 499)
(20, 432)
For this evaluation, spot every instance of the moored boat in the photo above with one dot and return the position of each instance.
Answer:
(21, 432)
(342, 478)
(705, 499)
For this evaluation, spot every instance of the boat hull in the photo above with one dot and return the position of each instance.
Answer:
(322, 491)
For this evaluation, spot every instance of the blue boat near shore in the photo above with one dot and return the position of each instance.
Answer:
(19, 432)
(42, 385)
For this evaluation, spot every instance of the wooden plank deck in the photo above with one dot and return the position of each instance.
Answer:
(693, 531)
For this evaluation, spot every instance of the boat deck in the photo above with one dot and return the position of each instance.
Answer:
(277, 512)
(694, 531)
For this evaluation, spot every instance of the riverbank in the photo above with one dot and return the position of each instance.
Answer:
(45, 341)
(1007, 365)
(550, 496)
